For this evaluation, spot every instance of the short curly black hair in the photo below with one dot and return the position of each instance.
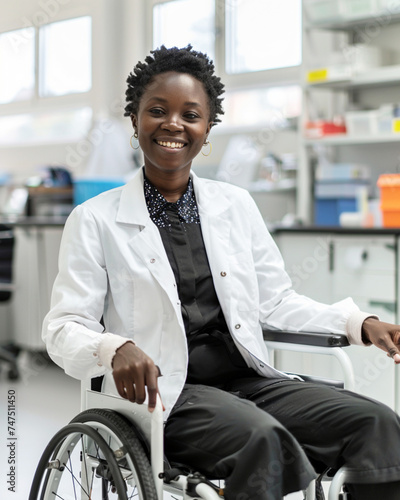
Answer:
(184, 60)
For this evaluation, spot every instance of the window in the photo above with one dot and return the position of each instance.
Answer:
(46, 65)
(17, 65)
(64, 60)
(175, 25)
(262, 35)
(256, 35)
(65, 57)
(255, 45)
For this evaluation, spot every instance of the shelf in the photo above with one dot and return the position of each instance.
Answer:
(379, 20)
(379, 77)
(344, 139)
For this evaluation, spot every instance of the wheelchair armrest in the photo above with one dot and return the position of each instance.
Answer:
(314, 343)
(306, 338)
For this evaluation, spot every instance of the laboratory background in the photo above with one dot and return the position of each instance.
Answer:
(311, 128)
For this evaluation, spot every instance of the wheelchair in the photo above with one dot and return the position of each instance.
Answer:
(114, 448)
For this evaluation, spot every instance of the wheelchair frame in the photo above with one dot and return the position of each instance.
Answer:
(150, 427)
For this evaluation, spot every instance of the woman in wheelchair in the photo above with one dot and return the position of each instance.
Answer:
(182, 272)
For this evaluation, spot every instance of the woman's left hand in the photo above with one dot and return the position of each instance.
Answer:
(383, 335)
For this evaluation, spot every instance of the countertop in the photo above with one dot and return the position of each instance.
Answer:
(45, 220)
(55, 220)
(336, 230)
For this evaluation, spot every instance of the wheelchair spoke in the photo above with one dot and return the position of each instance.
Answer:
(95, 457)
(127, 473)
(75, 480)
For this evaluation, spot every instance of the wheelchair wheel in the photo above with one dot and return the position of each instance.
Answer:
(73, 467)
(122, 438)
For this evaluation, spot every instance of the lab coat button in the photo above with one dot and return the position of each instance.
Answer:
(223, 274)
(99, 364)
(237, 326)
(261, 366)
(95, 354)
(152, 261)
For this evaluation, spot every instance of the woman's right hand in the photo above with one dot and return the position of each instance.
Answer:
(133, 371)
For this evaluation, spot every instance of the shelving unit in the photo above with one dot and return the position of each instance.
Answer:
(326, 98)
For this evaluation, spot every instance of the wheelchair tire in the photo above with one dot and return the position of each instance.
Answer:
(71, 463)
(119, 433)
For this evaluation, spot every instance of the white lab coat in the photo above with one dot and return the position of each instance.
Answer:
(113, 264)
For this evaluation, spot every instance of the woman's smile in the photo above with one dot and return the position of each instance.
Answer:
(170, 144)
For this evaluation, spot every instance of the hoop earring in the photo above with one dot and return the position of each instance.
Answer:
(209, 144)
(135, 136)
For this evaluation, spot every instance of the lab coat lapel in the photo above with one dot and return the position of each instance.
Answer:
(146, 242)
(216, 229)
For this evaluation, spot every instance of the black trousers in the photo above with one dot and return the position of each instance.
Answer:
(268, 438)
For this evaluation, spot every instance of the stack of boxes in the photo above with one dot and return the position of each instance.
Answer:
(337, 190)
(389, 185)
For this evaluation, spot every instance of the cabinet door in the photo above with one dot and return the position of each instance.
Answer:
(365, 269)
(307, 259)
(26, 300)
(35, 268)
(49, 245)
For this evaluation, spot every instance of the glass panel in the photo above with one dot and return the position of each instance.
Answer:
(67, 125)
(262, 34)
(66, 57)
(181, 22)
(274, 107)
(17, 65)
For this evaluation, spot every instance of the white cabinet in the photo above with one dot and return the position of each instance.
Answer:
(331, 266)
(35, 268)
(308, 262)
(365, 269)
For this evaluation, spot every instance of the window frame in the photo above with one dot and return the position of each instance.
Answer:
(239, 81)
(40, 69)
(38, 103)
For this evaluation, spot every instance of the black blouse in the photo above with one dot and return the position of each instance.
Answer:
(213, 356)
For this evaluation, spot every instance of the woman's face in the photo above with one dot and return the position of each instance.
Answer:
(173, 122)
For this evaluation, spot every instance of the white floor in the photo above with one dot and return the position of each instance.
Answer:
(46, 400)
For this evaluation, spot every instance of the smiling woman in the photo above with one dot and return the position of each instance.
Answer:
(172, 124)
(201, 274)
(173, 102)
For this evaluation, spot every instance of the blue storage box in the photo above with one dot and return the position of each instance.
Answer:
(87, 188)
(328, 210)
